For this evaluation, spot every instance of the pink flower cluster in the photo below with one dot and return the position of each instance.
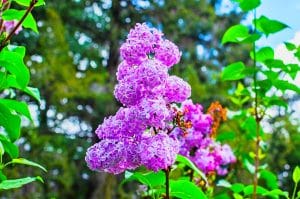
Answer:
(197, 143)
(139, 132)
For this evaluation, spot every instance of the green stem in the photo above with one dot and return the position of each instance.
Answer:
(294, 192)
(167, 172)
(29, 9)
(257, 119)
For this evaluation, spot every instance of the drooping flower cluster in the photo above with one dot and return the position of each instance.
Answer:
(149, 129)
(197, 142)
(139, 132)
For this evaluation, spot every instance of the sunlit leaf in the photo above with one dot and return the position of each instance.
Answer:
(247, 5)
(33, 92)
(12, 60)
(263, 54)
(296, 174)
(17, 183)
(151, 179)
(236, 33)
(10, 148)
(269, 26)
(248, 190)
(233, 71)
(26, 162)
(237, 187)
(277, 192)
(185, 190)
(11, 122)
(19, 107)
(285, 85)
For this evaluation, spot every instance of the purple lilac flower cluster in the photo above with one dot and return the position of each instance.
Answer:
(197, 143)
(139, 132)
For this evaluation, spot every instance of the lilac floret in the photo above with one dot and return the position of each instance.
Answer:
(159, 152)
(141, 42)
(126, 123)
(141, 82)
(168, 53)
(124, 69)
(155, 112)
(113, 156)
(177, 90)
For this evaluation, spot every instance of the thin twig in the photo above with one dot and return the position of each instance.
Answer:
(29, 9)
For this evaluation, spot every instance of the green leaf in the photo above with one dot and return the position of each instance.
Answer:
(277, 192)
(2, 80)
(236, 34)
(275, 101)
(264, 86)
(2, 176)
(247, 5)
(237, 196)
(275, 63)
(249, 125)
(270, 179)
(17, 183)
(12, 14)
(248, 190)
(19, 107)
(292, 70)
(296, 175)
(151, 179)
(252, 38)
(27, 2)
(290, 46)
(271, 75)
(185, 189)
(263, 54)
(26, 162)
(10, 148)
(12, 60)
(10, 122)
(297, 54)
(269, 26)
(233, 71)
(285, 85)
(237, 187)
(33, 92)
(225, 136)
(187, 162)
